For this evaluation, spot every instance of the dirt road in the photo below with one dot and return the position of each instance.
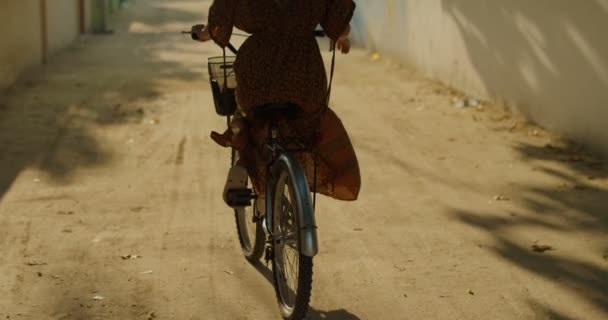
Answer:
(105, 153)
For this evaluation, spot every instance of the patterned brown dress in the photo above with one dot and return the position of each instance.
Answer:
(281, 62)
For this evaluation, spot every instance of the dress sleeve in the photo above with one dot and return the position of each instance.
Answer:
(337, 17)
(221, 20)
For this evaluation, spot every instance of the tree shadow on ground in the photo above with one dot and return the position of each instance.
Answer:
(59, 118)
(50, 118)
(576, 203)
(552, 59)
(313, 314)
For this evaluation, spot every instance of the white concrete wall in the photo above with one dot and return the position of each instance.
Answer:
(546, 58)
(20, 33)
(63, 23)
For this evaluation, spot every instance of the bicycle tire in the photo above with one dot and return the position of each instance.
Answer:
(296, 309)
(252, 250)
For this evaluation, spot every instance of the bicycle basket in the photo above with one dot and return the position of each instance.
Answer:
(223, 84)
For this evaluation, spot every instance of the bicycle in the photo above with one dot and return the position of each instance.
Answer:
(286, 234)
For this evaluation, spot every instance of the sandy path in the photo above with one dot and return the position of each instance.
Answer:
(105, 152)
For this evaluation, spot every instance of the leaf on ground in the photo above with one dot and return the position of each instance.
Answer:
(401, 269)
(130, 257)
(542, 248)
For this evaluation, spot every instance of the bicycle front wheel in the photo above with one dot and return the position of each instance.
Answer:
(292, 270)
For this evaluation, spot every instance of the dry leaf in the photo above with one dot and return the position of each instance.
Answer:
(541, 248)
(130, 257)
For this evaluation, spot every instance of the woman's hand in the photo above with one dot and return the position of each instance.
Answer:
(342, 43)
(200, 32)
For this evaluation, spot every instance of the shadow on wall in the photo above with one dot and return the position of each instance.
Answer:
(549, 58)
(49, 118)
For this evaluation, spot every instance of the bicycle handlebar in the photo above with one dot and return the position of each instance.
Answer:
(316, 33)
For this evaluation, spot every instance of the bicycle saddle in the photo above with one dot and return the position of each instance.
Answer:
(273, 111)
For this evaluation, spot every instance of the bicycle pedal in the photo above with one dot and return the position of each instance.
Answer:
(239, 197)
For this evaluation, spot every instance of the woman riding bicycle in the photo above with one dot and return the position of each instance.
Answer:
(281, 63)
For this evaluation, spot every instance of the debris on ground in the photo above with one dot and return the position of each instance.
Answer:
(36, 180)
(146, 272)
(358, 229)
(401, 269)
(130, 257)
(39, 274)
(461, 103)
(375, 56)
(152, 315)
(229, 272)
(137, 209)
(65, 213)
(36, 263)
(98, 298)
(541, 248)
(501, 198)
(471, 292)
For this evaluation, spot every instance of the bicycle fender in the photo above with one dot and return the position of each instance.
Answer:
(306, 214)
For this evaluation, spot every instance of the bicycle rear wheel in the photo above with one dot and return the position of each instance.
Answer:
(249, 227)
(292, 271)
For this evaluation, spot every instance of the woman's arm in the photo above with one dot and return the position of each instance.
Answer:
(221, 22)
(336, 23)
